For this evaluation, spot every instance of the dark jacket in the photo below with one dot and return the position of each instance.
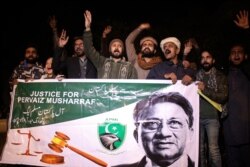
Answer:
(158, 71)
(236, 124)
(71, 66)
(216, 88)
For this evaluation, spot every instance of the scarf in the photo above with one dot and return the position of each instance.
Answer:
(148, 65)
(212, 83)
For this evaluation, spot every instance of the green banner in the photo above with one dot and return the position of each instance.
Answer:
(93, 122)
(37, 104)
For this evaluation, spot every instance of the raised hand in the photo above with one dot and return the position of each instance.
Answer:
(187, 47)
(63, 40)
(144, 26)
(88, 19)
(242, 19)
(106, 31)
(53, 22)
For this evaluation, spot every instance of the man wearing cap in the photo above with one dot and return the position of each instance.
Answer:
(172, 68)
(147, 57)
(107, 68)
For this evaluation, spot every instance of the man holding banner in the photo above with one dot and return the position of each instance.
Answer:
(213, 84)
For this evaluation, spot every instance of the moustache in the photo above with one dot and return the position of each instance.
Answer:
(78, 49)
(205, 63)
(30, 56)
(167, 51)
(146, 49)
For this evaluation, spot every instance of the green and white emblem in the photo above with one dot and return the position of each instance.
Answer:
(111, 134)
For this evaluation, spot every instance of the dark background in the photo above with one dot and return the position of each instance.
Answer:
(211, 23)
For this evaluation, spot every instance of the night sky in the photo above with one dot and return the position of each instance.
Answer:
(209, 22)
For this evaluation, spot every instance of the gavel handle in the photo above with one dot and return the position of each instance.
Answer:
(88, 156)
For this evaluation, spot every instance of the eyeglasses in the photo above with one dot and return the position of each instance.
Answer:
(155, 125)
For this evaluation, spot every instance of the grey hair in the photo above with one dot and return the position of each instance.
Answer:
(145, 105)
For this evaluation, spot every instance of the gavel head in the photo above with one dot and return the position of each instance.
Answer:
(58, 142)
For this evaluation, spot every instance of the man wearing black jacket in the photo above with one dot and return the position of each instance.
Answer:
(77, 66)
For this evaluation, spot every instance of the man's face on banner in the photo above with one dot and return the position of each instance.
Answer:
(163, 133)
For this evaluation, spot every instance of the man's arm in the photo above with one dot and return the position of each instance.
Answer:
(190, 76)
(59, 63)
(104, 41)
(53, 26)
(13, 78)
(242, 22)
(89, 49)
(134, 73)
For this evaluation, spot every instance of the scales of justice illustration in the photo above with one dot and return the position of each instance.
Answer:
(57, 144)
(30, 136)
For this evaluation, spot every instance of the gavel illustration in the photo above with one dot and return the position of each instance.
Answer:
(60, 141)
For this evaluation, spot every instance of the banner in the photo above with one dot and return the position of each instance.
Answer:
(84, 122)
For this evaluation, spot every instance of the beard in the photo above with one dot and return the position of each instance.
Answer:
(206, 67)
(116, 54)
(147, 53)
(79, 53)
(31, 60)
